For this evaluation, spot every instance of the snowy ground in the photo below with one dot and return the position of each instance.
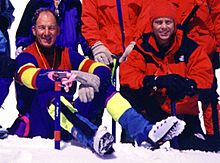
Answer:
(22, 150)
(37, 150)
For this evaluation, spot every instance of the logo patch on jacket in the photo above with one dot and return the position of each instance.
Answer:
(181, 58)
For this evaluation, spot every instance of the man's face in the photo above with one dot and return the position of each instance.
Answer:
(163, 28)
(46, 29)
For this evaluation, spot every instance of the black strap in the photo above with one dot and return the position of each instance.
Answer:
(189, 17)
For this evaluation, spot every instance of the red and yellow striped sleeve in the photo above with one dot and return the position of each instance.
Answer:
(88, 65)
(27, 75)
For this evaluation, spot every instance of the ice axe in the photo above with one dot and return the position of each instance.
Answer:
(57, 89)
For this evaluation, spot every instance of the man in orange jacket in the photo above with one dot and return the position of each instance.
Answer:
(203, 26)
(167, 66)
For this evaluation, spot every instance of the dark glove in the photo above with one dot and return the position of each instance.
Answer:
(174, 85)
(177, 87)
(7, 66)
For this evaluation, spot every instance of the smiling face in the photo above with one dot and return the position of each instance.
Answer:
(46, 29)
(163, 29)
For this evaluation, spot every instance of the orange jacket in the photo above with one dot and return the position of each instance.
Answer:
(198, 67)
(204, 27)
(101, 23)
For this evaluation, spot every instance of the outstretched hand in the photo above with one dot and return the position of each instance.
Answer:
(67, 79)
(87, 79)
(127, 51)
(84, 78)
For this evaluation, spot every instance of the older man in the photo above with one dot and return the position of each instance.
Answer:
(68, 11)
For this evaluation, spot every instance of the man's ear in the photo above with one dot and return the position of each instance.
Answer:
(34, 30)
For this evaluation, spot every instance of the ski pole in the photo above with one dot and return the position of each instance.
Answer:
(114, 83)
(57, 134)
(173, 113)
(173, 107)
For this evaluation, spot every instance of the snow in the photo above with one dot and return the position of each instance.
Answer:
(24, 150)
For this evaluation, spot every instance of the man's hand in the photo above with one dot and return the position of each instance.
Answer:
(19, 50)
(87, 79)
(101, 53)
(67, 79)
(127, 51)
(86, 93)
(177, 87)
(84, 78)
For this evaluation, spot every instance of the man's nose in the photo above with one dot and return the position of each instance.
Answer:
(164, 25)
(47, 31)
